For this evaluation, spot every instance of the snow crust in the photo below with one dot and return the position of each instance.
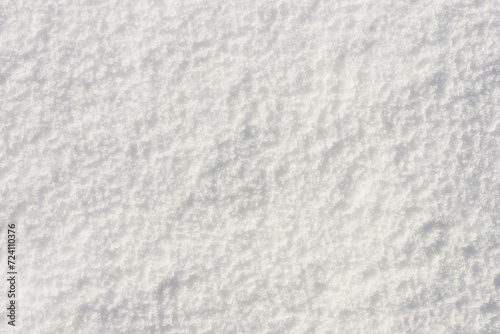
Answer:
(252, 166)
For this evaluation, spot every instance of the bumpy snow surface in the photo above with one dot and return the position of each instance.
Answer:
(251, 166)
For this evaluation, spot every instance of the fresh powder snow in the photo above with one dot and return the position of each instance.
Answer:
(267, 166)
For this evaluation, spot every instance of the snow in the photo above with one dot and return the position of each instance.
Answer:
(252, 166)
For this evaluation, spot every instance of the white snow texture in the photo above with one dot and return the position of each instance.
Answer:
(193, 166)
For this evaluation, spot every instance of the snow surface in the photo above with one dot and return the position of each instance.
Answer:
(252, 166)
